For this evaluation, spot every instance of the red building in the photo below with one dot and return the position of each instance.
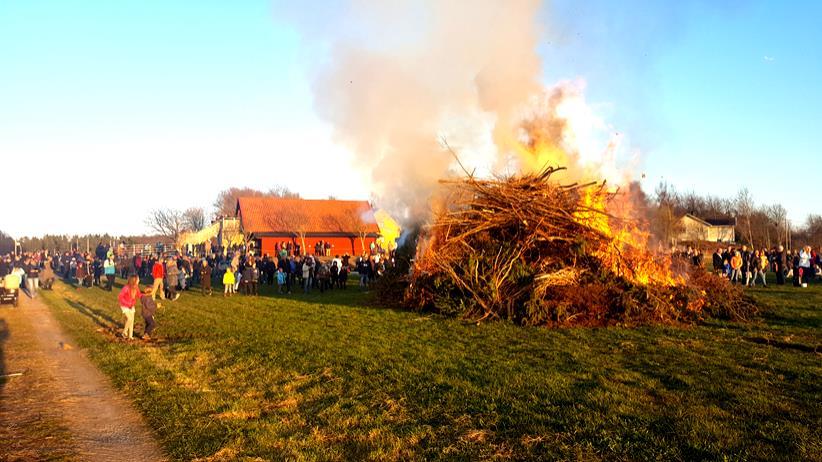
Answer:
(348, 226)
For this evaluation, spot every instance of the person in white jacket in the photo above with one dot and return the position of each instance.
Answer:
(806, 272)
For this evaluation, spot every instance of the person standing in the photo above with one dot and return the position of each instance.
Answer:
(158, 272)
(172, 274)
(110, 271)
(804, 267)
(32, 268)
(746, 266)
(247, 274)
(779, 260)
(149, 309)
(228, 282)
(80, 273)
(760, 263)
(205, 277)
(127, 299)
(736, 268)
(307, 274)
(280, 280)
(47, 275)
(97, 271)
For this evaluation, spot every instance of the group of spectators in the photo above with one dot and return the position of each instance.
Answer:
(167, 276)
(750, 266)
(30, 271)
(289, 271)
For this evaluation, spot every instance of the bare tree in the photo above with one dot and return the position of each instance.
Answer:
(169, 223)
(352, 220)
(6, 243)
(813, 229)
(666, 219)
(195, 218)
(292, 220)
(744, 209)
(226, 203)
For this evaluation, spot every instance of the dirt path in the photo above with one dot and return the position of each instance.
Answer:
(62, 407)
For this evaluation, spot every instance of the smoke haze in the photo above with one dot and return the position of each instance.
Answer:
(465, 72)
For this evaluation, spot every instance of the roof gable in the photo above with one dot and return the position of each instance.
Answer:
(259, 215)
(713, 222)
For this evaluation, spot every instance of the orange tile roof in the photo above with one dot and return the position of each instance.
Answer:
(264, 215)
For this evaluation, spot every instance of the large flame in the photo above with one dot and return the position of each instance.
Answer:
(563, 134)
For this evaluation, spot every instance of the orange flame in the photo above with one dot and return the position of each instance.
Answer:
(626, 251)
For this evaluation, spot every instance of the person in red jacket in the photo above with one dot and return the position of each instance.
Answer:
(158, 272)
(127, 299)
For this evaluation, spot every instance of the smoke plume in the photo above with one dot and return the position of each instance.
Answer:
(419, 72)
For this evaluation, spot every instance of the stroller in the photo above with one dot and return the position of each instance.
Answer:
(10, 289)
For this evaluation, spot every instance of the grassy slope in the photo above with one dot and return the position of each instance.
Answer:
(325, 377)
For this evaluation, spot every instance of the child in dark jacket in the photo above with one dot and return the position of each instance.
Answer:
(149, 310)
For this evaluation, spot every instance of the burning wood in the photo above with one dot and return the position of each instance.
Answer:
(534, 251)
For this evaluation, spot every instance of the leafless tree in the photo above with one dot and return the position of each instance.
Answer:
(195, 218)
(352, 220)
(167, 222)
(666, 220)
(779, 218)
(226, 202)
(292, 220)
(6, 243)
(813, 229)
(744, 210)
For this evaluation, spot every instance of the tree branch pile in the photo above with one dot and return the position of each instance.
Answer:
(516, 248)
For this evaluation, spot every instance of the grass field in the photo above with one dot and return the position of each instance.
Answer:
(327, 377)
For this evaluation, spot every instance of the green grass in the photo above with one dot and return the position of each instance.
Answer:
(326, 377)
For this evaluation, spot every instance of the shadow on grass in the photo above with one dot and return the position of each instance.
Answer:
(352, 296)
(777, 319)
(785, 345)
(100, 317)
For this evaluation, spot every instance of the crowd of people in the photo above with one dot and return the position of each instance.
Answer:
(166, 276)
(750, 267)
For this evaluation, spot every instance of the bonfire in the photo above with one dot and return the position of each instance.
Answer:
(529, 249)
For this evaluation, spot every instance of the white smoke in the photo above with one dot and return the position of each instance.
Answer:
(416, 72)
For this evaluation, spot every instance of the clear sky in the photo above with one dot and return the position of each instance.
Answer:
(111, 108)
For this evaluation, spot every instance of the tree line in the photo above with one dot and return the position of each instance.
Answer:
(757, 225)
(171, 223)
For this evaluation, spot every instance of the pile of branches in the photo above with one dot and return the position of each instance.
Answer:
(515, 248)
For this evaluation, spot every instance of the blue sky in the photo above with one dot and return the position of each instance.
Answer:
(111, 108)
